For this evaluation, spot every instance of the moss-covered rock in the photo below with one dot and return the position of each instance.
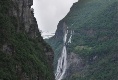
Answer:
(24, 55)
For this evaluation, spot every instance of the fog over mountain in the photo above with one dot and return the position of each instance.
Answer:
(49, 13)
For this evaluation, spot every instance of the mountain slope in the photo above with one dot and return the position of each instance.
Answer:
(24, 55)
(92, 55)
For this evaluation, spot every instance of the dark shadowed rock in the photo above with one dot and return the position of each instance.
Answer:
(24, 55)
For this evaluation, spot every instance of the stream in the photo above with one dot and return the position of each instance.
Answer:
(62, 61)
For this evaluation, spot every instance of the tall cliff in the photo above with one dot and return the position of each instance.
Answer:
(92, 50)
(24, 55)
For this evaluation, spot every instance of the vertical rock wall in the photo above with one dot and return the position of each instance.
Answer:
(24, 55)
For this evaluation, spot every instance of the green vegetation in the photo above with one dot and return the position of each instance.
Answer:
(27, 56)
(57, 45)
(96, 38)
(95, 23)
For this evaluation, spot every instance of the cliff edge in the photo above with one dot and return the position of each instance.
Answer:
(24, 55)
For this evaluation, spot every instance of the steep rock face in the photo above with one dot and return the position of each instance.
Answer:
(24, 55)
(59, 32)
(92, 53)
(57, 41)
(74, 65)
(24, 13)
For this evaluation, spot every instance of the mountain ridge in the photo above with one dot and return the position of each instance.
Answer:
(92, 53)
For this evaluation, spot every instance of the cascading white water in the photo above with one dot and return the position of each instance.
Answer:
(62, 62)
(69, 41)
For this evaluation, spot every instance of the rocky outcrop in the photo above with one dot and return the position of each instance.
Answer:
(59, 32)
(24, 55)
(61, 28)
(75, 64)
(22, 10)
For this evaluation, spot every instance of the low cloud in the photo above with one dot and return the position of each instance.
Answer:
(49, 12)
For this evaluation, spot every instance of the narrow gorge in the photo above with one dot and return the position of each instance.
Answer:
(84, 47)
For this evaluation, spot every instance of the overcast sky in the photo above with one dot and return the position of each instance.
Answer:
(49, 12)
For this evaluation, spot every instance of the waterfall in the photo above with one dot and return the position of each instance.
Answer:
(69, 41)
(62, 61)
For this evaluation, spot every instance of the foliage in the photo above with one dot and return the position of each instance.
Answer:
(27, 55)
(57, 45)
(95, 23)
